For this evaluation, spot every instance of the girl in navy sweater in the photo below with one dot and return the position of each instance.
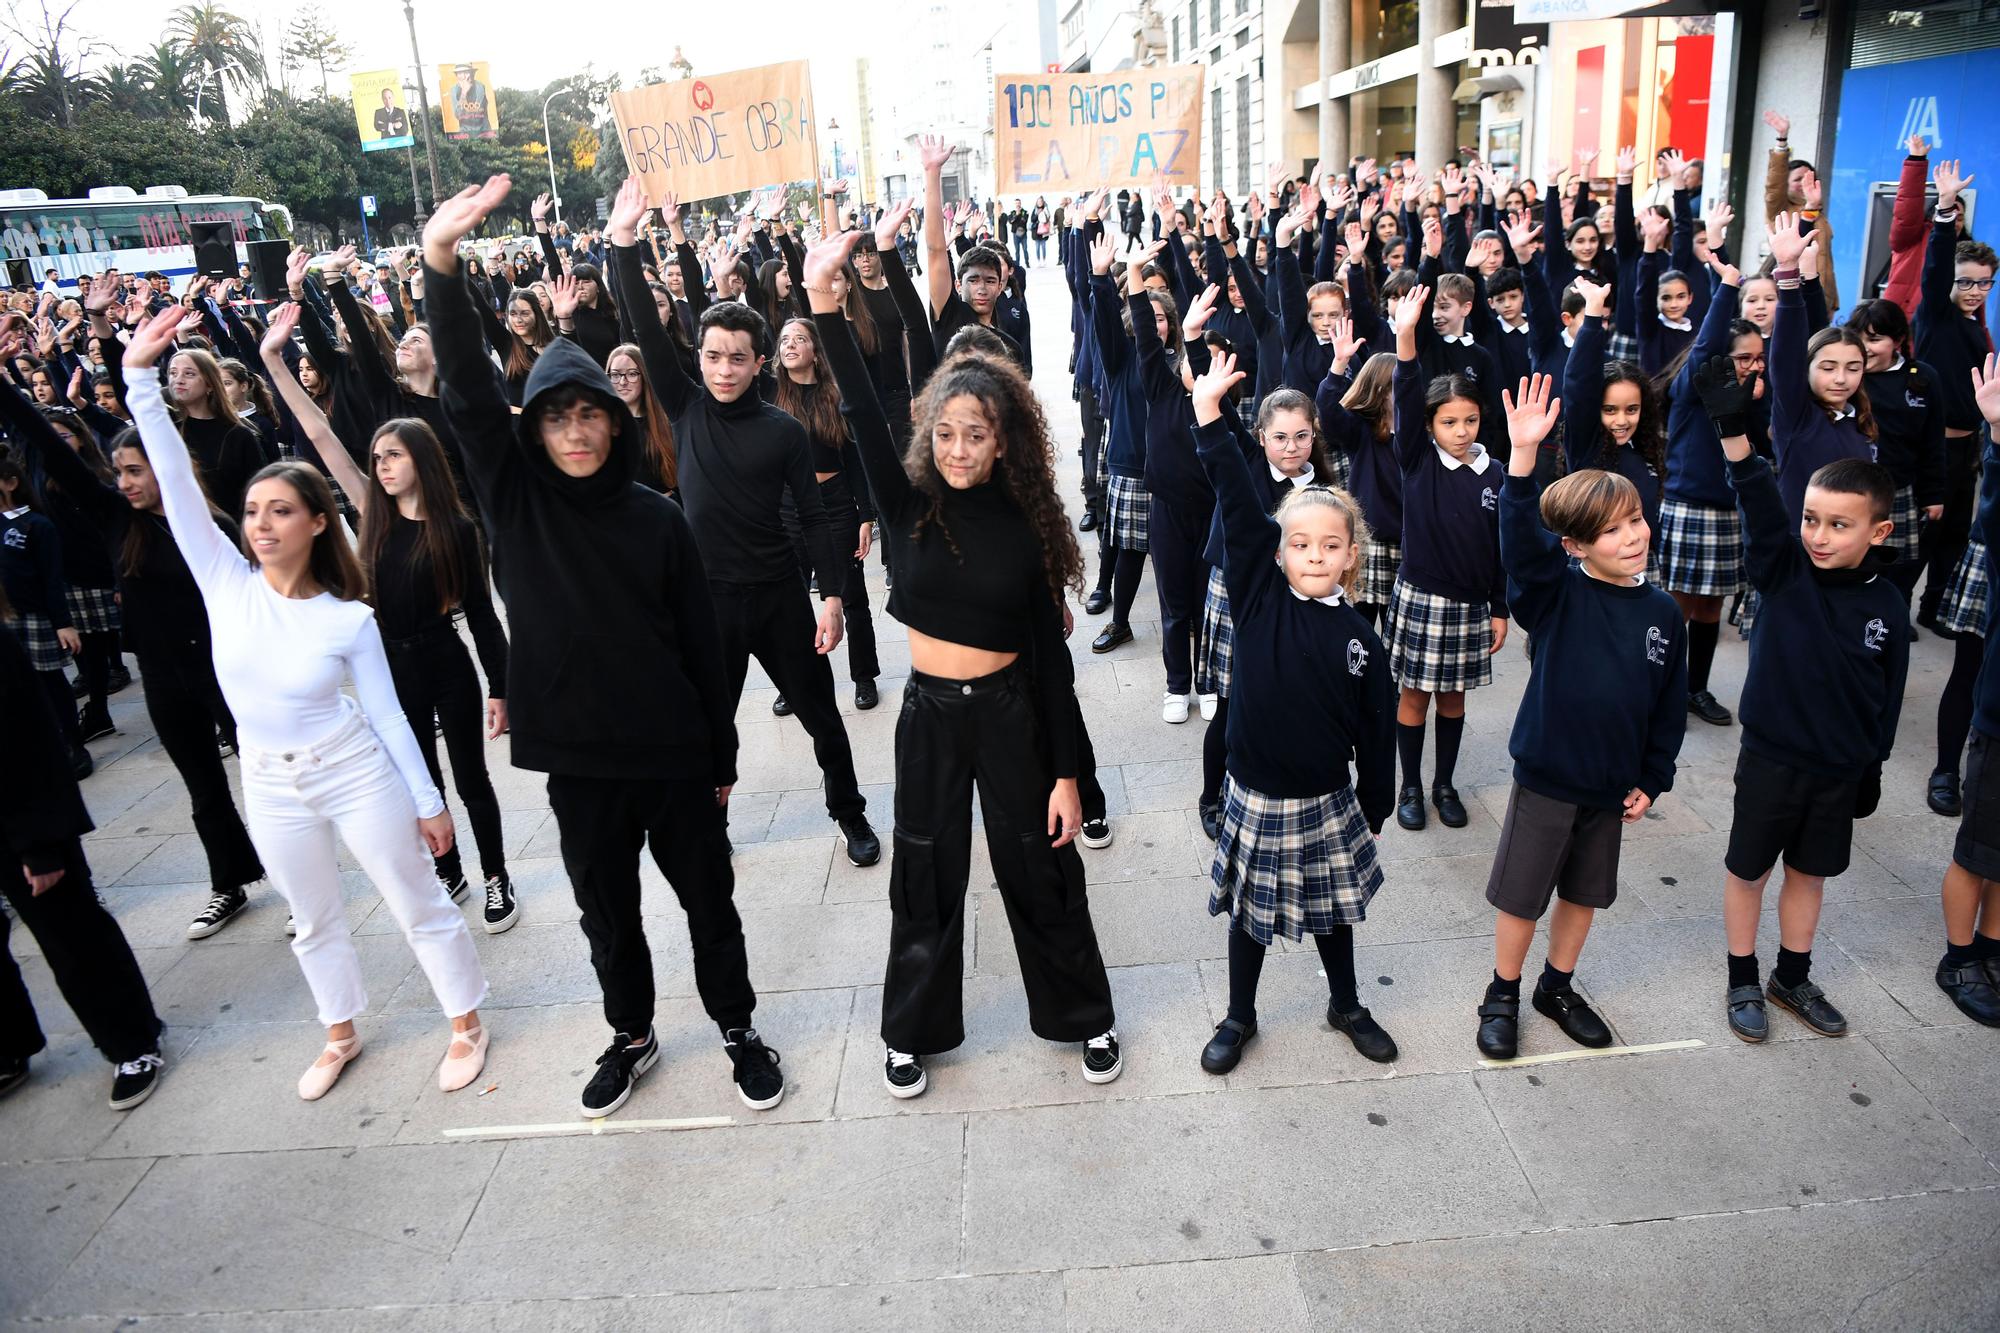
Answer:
(1296, 855)
(1448, 610)
(31, 566)
(1120, 396)
(1615, 419)
(1907, 403)
(1360, 428)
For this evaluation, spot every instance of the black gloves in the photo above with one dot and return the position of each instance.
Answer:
(1726, 400)
(1868, 794)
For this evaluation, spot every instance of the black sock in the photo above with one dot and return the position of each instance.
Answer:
(1125, 578)
(1215, 753)
(1985, 948)
(1554, 980)
(1792, 967)
(1410, 745)
(1702, 636)
(1961, 955)
(1954, 714)
(1451, 730)
(1336, 953)
(1503, 988)
(1742, 970)
(1246, 965)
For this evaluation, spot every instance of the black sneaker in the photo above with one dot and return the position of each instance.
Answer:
(1101, 1062)
(1410, 809)
(223, 905)
(780, 707)
(503, 909)
(758, 1081)
(866, 696)
(863, 847)
(120, 679)
(133, 1083)
(1111, 636)
(1098, 602)
(903, 1074)
(1943, 795)
(1451, 810)
(618, 1070)
(81, 763)
(1809, 1002)
(455, 886)
(95, 726)
(1704, 705)
(1747, 1018)
(13, 1073)
(1096, 833)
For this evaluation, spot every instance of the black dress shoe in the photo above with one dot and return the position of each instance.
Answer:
(1362, 1029)
(1500, 1029)
(1577, 1019)
(780, 707)
(1971, 988)
(1927, 617)
(1708, 708)
(1746, 1013)
(863, 847)
(81, 763)
(1098, 602)
(1410, 808)
(1111, 637)
(120, 679)
(1943, 795)
(1809, 1002)
(1451, 810)
(1225, 1048)
(95, 725)
(1089, 523)
(865, 695)
(1211, 819)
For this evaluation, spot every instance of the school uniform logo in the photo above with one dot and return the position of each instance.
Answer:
(1488, 499)
(1914, 399)
(1656, 645)
(1875, 635)
(17, 538)
(1357, 658)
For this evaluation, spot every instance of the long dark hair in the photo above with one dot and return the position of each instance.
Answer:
(140, 535)
(659, 431)
(332, 565)
(859, 317)
(815, 405)
(1027, 469)
(522, 352)
(1650, 441)
(260, 392)
(443, 513)
(774, 308)
(1864, 416)
(1291, 400)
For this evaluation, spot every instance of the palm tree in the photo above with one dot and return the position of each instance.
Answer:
(46, 82)
(170, 76)
(127, 89)
(217, 42)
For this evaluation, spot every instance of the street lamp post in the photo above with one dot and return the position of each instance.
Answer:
(548, 142)
(416, 194)
(214, 72)
(424, 101)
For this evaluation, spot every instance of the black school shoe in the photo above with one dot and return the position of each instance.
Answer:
(1225, 1048)
(95, 725)
(1410, 809)
(1111, 636)
(1451, 810)
(1943, 795)
(780, 707)
(1809, 1002)
(119, 679)
(13, 1073)
(618, 1072)
(1704, 705)
(1746, 1013)
(1211, 819)
(758, 1081)
(1098, 602)
(863, 847)
(134, 1081)
(1362, 1029)
(866, 696)
(1577, 1019)
(1499, 1028)
(1972, 989)
(1089, 523)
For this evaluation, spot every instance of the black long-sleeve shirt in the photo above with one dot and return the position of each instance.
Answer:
(406, 601)
(41, 811)
(1947, 341)
(1908, 405)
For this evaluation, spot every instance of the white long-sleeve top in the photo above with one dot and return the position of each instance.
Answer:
(279, 660)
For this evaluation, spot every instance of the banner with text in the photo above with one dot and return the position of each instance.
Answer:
(379, 112)
(1080, 131)
(465, 98)
(701, 138)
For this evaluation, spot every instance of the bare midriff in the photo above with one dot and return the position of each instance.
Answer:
(1952, 432)
(955, 661)
(825, 477)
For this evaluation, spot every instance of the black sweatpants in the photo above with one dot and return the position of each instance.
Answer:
(1180, 578)
(187, 711)
(841, 513)
(952, 735)
(93, 966)
(435, 679)
(603, 823)
(1940, 544)
(774, 622)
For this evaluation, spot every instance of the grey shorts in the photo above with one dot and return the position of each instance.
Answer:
(1549, 847)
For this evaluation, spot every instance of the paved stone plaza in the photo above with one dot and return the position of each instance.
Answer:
(1690, 1182)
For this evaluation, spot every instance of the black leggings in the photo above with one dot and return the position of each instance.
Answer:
(1246, 965)
(1180, 577)
(1120, 570)
(93, 665)
(952, 736)
(434, 678)
(188, 713)
(845, 519)
(1954, 721)
(1215, 752)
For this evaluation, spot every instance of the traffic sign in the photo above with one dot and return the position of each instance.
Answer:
(368, 205)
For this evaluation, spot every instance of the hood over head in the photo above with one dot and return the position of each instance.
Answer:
(563, 364)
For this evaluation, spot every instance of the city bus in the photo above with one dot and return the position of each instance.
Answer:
(118, 227)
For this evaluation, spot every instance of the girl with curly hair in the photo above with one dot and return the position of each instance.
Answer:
(983, 554)
(1616, 420)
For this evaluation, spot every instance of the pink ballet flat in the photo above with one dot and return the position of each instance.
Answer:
(317, 1081)
(455, 1071)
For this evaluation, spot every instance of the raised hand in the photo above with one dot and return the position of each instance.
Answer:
(1356, 236)
(1986, 388)
(1949, 183)
(1676, 167)
(1484, 251)
(1812, 189)
(154, 335)
(890, 222)
(1367, 171)
(1627, 162)
(1414, 182)
(1586, 158)
(1217, 216)
(1211, 389)
(103, 291)
(1345, 344)
(1730, 275)
(1409, 308)
(1917, 146)
(626, 210)
(1522, 237)
(1809, 257)
(1596, 296)
(1780, 125)
(1787, 243)
(1531, 413)
(279, 331)
(933, 151)
(562, 295)
(1198, 312)
(295, 267)
(1653, 230)
(454, 218)
(1715, 222)
(1433, 238)
(824, 260)
(343, 258)
(1102, 251)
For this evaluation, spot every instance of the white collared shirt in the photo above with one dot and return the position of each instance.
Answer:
(1895, 365)
(1463, 339)
(1845, 413)
(1476, 458)
(1522, 327)
(1334, 600)
(13, 513)
(1569, 338)
(1298, 483)
(1683, 325)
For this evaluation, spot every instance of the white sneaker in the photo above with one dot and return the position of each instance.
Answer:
(1208, 703)
(1175, 709)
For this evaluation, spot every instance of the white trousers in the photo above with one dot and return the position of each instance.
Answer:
(293, 800)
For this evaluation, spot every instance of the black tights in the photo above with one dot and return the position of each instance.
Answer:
(1122, 569)
(1954, 721)
(93, 664)
(1215, 752)
(1246, 965)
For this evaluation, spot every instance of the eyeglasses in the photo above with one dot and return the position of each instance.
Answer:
(1973, 284)
(624, 374)
(1753, 359)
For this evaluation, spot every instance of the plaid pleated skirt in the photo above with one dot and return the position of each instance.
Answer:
(1700, 549)
(1214, 639)
(1964, 606)
(38, 637)
(1746, 617)
(1905, 515)
(1342, 467)
(93, 610)
(1380, 564)
(1292, 866)
(1130, 507)
(1436, 644)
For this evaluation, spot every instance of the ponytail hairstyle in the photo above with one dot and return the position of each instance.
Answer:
(1372, 395)
(815, 406)
(1291, 400)
(332, 564)
(1864, 416)
(259, 391)
(657, 429)
(443, 514)
(1342, 503)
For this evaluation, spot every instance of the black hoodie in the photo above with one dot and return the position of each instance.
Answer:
(615, 665)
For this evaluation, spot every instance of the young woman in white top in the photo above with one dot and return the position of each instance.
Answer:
(288, 627)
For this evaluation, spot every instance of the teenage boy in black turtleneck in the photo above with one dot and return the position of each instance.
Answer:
(619, 692)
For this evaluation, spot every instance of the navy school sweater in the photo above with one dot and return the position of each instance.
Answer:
(1584, 441)
(1375, 476)
(1830, 649)
(1120, 396)
(1312, 690)
(1803, 438)
(1172, 473)
(1451, 514)
(1909, 427)
(1606, 705)
(1947, 341)
(1697, 471)
(1986, 693)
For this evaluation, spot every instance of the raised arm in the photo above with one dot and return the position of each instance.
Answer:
(1583, 380)
(934, 153)
(26, 426)
(916, 321)
(634, 298)
(1412, 427)
(1249, 536)
(1532, 556)
(873, 440)
(473, 390)
(210, 557)
(313, 425)
(1791, 399)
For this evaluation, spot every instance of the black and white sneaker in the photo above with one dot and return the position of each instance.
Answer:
(502, 908)
(133, 1083)
(1101, 1061)
(618, 1069)
(1096, 833)
(903, 1074)
(758, 1081)
(864, 848)
(223, 905)
(13, 1073)
(455, 887)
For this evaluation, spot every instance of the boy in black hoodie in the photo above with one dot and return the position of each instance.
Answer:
(1828, 659)
(618, 688)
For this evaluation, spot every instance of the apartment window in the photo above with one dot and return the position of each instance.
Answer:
(1215, 135)
(1242, 38)
(1242, 136)
(1243, 7)
(1215, 15)
(1194, 24)
(1177, 41)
